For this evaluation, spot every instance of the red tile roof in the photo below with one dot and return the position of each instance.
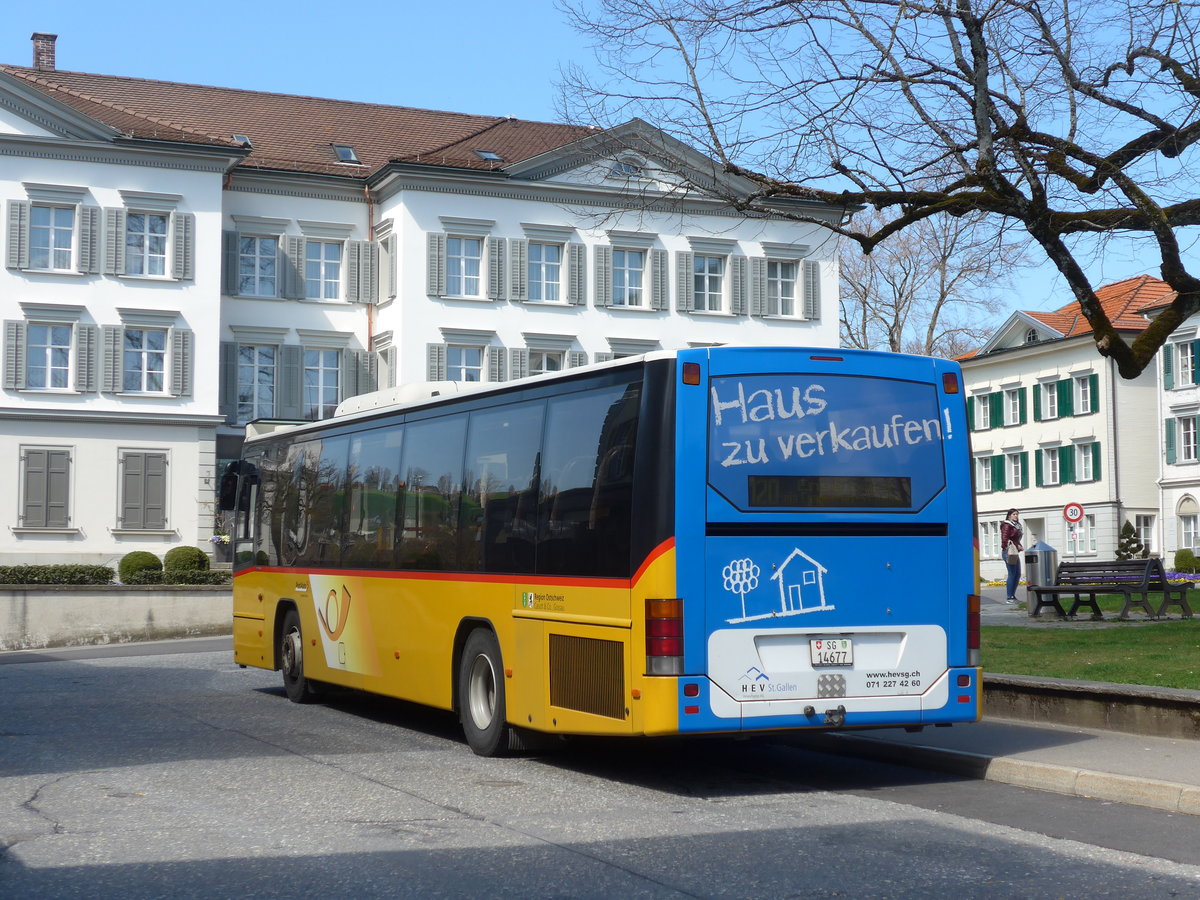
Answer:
(294, 133)
(1122, 302)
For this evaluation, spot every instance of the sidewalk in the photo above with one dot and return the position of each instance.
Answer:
(1162, 773)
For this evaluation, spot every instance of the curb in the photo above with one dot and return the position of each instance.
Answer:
(1071, 780)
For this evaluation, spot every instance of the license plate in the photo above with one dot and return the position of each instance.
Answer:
(831, 651)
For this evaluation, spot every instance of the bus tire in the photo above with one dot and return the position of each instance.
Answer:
(291, 660)
(481, 696)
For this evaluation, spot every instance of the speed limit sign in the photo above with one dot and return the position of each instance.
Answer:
(1073, 512)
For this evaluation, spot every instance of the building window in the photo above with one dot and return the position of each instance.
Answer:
(1031, 336)
(257, 266)
(51, 237)
(464, 363)
(629, 267)
(1083, 394)
(321, 370)
(322, 270)
(781, 288)
(255, 382)
(983, 475)
(143, 491)
(144, 360)
(463, 259)
(1144, 526)
(48, 357)
(543, 361)
(1050, 466)
(145, 244)
(45, 487)
(989, 536)
(983, 412)
(1013, 407)
(709, 277)
(1187, 364)
(1049, 400)
(1187, 439)
(1016, 471)
(545, 271)
(1085, 467)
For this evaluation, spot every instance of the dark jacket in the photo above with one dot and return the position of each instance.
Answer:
(1010, 534)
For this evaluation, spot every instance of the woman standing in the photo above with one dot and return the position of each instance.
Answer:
(1011, 534)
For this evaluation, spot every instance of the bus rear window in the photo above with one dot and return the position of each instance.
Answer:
(825, 442)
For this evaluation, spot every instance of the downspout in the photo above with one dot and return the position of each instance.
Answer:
(1115, 489)
(370, 237)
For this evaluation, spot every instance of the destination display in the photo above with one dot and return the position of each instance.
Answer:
(811, 491)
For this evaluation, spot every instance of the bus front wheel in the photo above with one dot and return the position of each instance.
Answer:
(481, 695)
(291, 660)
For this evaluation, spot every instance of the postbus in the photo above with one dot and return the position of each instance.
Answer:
(713, 540)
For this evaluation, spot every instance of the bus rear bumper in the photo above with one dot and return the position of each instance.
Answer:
(954, 697)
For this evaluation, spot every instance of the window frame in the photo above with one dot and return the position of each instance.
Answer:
(703, 285)
(1143, 527)
(1085, 462)
(625, 293)
(326, 286)
(165, 238)
(317, 407)
(1015, 471)
(256, 365)
(72, 250)
(143, 371)
(1187, 448)
(538, 285)
(546, 355)
(983, 474)
(463, 367)
(259, 257)
(463, 279)
(1049, 391)
(1051, 474)
(69, 349)
(774, 288)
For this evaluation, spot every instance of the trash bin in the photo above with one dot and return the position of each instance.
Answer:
(1041, 564)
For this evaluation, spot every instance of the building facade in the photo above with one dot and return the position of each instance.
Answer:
(1054, 424)
(183, 259)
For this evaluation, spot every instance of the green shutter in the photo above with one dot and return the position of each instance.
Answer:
(997, 463)
(1037, 403)
(971, 414)
(996, 409)
(1066, 465)
(1021, 406)
(1094, 384)
(1168, 366)
(1024, 468)
(1169, 439)
(1096, 461)
(1195, 362)
(1066, 397)
(1037, 465)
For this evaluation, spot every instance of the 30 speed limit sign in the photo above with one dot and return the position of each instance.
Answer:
(1073, 512)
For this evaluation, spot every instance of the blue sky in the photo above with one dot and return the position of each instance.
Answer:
(469, 56)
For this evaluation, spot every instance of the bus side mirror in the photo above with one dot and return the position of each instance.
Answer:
(228, 496)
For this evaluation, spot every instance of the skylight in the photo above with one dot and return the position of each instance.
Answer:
(345, 153)
(489, 155)
(243, 140)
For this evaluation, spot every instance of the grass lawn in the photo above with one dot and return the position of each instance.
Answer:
(1161, 654)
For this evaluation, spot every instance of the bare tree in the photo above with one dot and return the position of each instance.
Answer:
(934, 289)
(1074, 120)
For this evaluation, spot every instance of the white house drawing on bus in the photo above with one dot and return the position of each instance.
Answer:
(806, 580)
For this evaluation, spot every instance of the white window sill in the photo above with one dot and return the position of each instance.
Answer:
(716, 313)
(153, 395)
(71, 273)
(271, 297)
(134, 277)
(783, 317)
(21, 529)
(143, 532)
(624, 307)
(66, 392)
(466, 298)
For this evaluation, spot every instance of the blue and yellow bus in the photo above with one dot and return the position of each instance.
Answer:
(713, 540)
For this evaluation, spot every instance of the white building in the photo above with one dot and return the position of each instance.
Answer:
(1179, 412)
(181, 259)
(1055, 424)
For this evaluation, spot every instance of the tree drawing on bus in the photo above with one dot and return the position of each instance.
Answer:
(741, 577)
(801, 586)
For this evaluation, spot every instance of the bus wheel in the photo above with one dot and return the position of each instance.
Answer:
(481, 695)
(291, 660)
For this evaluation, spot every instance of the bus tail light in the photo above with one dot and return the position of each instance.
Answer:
(973, 629)
(664, 637)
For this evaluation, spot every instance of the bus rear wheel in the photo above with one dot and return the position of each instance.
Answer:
(291, 660)
(481, 696)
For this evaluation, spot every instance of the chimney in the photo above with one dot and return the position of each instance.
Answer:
(43, 51)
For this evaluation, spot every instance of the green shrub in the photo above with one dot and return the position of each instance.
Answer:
(1185, 561)
(56, 574)
(133, 564)
(185, 559)
(195, 576)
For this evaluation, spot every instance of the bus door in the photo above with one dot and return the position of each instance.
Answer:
(826, 563)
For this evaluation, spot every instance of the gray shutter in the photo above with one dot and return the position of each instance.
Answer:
(348, 376)
(518, 269)
(289, 385)
(368, 371)
(14, 354)
(155, 510)
(577, 358)
(181, 362)
(183, 263)
(518, 363)
(435, 355)
(389, 358)
(660, 281)
(812, 289)
(132, 490)
(114, 241)
(496, 249)
(737, 294)
(228, 388)
(496, 367)
(362, 272)
(18, 234)
(47, 481)
(87, 338)
(229, 247)
(114, 336)
(436, 253)
(291, 277)
(603, 357)
(89, 240)
(604, 275)
(577, 274)
(685, 282)
(758, 286)
(393, 271)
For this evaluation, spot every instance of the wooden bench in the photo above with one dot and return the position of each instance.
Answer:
(1135, 579)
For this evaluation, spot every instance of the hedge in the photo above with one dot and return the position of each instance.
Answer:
(56, 574)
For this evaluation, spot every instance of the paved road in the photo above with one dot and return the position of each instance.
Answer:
(182, 775)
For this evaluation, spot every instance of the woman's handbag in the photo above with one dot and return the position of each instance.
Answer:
(1014, 557)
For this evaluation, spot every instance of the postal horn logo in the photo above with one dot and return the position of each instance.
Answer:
(336, 614)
